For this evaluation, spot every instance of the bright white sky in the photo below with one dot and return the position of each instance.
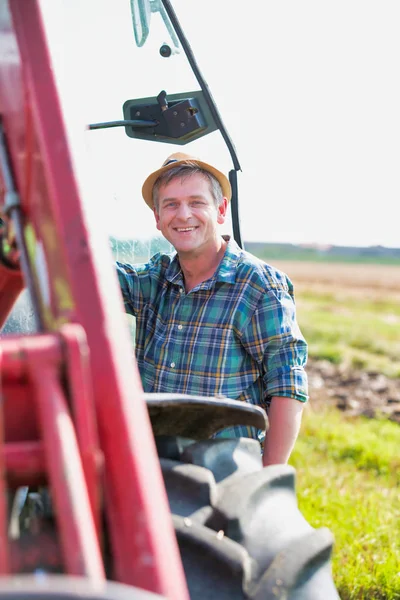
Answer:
(309, 91)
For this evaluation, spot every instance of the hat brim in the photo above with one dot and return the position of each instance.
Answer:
(147, 189)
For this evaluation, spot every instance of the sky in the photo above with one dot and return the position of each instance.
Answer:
(309, 92)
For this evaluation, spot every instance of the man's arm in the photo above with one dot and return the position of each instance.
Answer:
(273, 338)
(132, 282)
(284, 417)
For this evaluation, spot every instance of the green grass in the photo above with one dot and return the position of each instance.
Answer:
(348, 479)
(348, 468)
(360, 332)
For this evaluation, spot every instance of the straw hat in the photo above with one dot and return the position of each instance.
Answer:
(175, 160)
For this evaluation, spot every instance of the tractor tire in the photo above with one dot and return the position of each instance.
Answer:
(239, 529)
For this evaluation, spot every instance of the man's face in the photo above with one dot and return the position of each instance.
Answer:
(187, 216)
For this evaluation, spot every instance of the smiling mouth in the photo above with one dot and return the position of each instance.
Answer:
(184, 229)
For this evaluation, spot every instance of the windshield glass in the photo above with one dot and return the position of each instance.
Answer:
(119, 51)
(124, 62)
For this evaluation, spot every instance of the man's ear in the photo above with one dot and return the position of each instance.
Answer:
(222, 210)
(157, 218)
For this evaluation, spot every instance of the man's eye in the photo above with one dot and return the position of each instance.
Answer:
(198, 202)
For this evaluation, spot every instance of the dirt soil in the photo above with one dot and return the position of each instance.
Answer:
(354, 392)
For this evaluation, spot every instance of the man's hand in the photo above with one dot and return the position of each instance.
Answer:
(284, 417)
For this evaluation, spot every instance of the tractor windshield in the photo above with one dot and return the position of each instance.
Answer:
(135, 53)
(105, 53)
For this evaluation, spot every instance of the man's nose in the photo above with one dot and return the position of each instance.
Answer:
(184, 211)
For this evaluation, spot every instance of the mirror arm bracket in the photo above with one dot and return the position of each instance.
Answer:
(136, 124)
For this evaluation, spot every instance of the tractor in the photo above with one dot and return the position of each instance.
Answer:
(107, 492)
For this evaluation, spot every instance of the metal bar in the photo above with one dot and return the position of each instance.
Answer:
(235, 208)
(202, 82)
(215, 113)
(24, 461)
(4, 554)
(80, 547)
(127, 123)
(84, 415)
(16, 350)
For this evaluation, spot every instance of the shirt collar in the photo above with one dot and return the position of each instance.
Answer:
(226, 271)
(173, 274)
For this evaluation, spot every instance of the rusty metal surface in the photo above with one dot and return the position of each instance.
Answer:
(199, 417)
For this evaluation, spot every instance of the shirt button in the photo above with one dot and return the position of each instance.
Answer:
(172, 364)
(180, 290)
(180, 327)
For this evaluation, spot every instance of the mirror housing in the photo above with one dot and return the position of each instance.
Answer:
(181, 118)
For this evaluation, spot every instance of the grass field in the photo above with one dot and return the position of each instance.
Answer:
(348, 480)
(350, 313)
(348, 469)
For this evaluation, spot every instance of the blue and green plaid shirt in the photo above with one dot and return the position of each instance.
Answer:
(234, 335)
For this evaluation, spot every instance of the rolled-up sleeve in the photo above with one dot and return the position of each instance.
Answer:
(274, 339)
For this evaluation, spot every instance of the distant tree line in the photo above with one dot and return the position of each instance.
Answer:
(283, 251)
(137, 251)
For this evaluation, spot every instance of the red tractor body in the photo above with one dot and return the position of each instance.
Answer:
(73, 413)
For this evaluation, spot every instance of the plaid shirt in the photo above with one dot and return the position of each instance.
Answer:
(234, 335)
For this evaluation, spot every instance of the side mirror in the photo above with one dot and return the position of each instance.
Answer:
(176, 119)
(141, 13)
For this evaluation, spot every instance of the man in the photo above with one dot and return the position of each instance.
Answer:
(212, 319)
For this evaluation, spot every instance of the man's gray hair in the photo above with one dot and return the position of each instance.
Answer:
(184, 171)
